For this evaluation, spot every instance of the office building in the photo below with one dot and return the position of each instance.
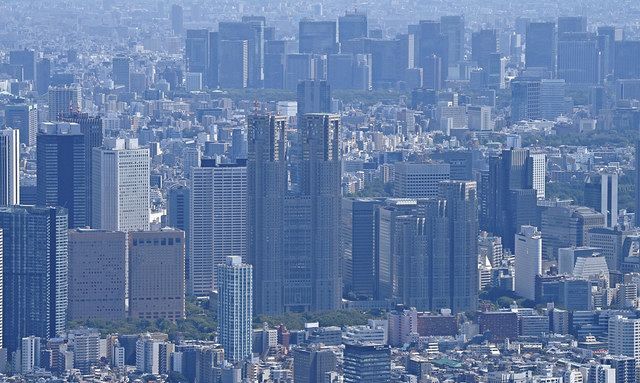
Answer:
(62, 179)
(358, 230)
(483, 43)
(452, 247)
(43, 75)
(177, 19)
(298, 67)
(541, 45)
(30, 349)
(267, 184)
(319, 37)
(508, 199)
(624, 366)
(156, 274)
(313, 97)
(479, 117)
(218, 222)
(179, 208)
(539, 173)
(251, 30)
(120, 71)
(63, 100)
(528, 253)
(571, 24)
(26, 60)
(86, 348)
(525, 99)
(235, 308)
(452, 28)
(9, 167)
(91, 129)
(578, 58)
(552, 98)
(410, 266)
(234, 64)
(97, 274)
(35, 276)
(197, 52)
(352, 25)
(120, 186)
(367, 363)
(601, 194)
(413, 180)
(23, 117)
(311, 364)
(432, 42)
(624, 336)
(567, 226)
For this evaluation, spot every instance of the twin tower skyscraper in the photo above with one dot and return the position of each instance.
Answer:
(294, 202)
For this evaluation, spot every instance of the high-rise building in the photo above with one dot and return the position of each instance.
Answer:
(97, 274)
(479, 117)
(624, 366)
(235, 308)
(452, 28)
(156, 274)
(201, 54)
(218, 226)
(63, 100)
(452, 247)
(413, 180)
(91, 128)
(412, 276)
(179, 208)
(567, 226)
(509, 200)
(120, 71)
(267, 185)
(120, 189)
(571, 24)
(311, 364)
(483, 43)
(525, 99)
(539, 173)
(352, 25)
(30, 349)
(35, 272)
(251, 30)
(43, 75)
(234, 64)
(23, 117)
(177, 19)
(528, 252)
(358, 230)
(601, 194)
(62, 179)
(431, 41)
(541, 45)
(624, 336)
(314, 96)
(578, 58)
(320, 37)
(368, 363)
(9, 167)
(26, 59)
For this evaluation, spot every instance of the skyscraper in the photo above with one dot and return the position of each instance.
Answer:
(63, 100)
(413, 180)
(541, 45)
(43, 75)
(97, 274)
(235, 308)
(120, 71)
(320, 37)
(218, 227)
(578, 58)
(197, 52)
(177, 19)
(314, 96)
(35, 272)
(624, 336)
(525, 99)
(62, 179)
(311, 364)
(9, 167)
(120, 178)
(250, 30)
(452, 247)
(234, 64)
(156, 274)
(358, 230)
(23, 117)
(601, 194)
(352, 25)
(432, 42)
(26, 59)
(452, 28)
(483, 43)
(571, 24)
(91, 128)
(528, 252)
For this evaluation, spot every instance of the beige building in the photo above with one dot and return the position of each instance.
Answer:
(97, 274)
(156, 274)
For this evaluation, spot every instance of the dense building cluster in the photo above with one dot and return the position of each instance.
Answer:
(384, 191)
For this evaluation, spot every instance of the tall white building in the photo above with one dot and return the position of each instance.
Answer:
(539, 173)
(624, 336)
(120, 186)
(528, 254)
(29, 354)
(235, 305)
(9, 167)
(218, 227)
